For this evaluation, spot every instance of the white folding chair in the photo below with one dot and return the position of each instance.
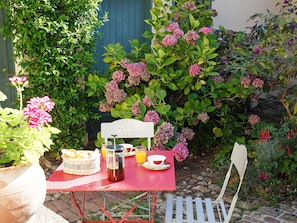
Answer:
(198, 210)
(128, 128)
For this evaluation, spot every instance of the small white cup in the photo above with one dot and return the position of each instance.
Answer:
(156, 160)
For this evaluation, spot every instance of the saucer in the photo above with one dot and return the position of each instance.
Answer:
(148, 166)
(127, 154)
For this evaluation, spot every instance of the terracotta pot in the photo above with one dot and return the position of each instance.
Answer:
(22, 193)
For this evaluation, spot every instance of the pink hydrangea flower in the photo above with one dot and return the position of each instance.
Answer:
(105, 107)
(172, 26)
(254, 119)
(169, 40)
(152, 116)
(258, 83)
(191, 37)
(112, 85)
(188, 133)
(146, 101)
(178, 33)
(195, 69)
(181, 151)
(135, 108)
(205, 30)
(115, 96)
(203, 117)
(189, 6)
(164, 132)
(118, 76)
(245, 81)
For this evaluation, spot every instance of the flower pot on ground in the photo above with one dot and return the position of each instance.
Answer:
(25, 134)
(22, 192)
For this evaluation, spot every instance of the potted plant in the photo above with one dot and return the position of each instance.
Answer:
(25, 134)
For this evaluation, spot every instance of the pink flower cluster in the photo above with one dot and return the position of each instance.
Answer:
(137, 72)
(264, 134)
(135, 108)
(263, 176)
(257, 82)
(16, 80)
(181, 151)
(37, 111)
(113, 93)
(191, 37)
(152, 116)
(169, 40)
(146, 101)
(254, 119)
(163, 134)
(184, 135)
(205, 30)
(203, 117)
(189, 6)
(195, 69)
(118, 76)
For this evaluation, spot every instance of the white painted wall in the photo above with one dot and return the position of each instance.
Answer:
(233, 14)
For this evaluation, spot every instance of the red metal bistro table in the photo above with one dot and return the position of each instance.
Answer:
(137, 178)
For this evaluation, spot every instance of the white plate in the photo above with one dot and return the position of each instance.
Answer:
(127, 154)
(148, 166)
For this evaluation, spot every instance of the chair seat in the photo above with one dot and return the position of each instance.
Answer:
(194, 210)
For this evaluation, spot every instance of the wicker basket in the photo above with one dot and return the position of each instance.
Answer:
(85, 162)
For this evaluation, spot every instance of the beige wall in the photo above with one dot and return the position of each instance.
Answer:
(233, 14)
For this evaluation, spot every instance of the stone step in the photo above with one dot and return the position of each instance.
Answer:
(46, 215)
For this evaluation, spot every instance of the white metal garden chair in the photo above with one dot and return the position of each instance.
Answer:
(128, 128)
(198, 210)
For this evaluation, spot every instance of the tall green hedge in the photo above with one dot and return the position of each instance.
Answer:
(54, 43)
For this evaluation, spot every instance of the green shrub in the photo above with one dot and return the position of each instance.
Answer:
(53, 43)
(173, 82)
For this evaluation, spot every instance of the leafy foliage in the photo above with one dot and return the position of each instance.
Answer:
(179, 77)
(53, 43)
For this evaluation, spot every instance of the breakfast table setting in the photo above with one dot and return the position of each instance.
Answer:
(111, 171)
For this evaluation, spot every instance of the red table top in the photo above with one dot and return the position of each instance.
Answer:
(137, 178)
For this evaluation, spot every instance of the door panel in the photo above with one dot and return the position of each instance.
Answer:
(126, 22)
(6, 67)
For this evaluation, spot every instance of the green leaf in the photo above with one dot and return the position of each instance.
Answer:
(163, 109)
(217, 132)
(172, 86)
(169, 61)
(161, 94)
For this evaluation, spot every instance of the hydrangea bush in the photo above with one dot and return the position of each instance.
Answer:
(173, 82)
(266, 58)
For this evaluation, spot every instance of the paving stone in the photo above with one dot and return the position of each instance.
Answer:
(200, 185)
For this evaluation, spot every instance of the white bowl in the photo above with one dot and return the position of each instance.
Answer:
(156, 160)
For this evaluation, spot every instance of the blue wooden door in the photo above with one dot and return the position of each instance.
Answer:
(126, 22)
(6, 67)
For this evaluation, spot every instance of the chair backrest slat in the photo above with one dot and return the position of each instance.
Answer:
(128, 128)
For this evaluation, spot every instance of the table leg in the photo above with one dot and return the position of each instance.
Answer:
(151, 200)
(80, 209)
